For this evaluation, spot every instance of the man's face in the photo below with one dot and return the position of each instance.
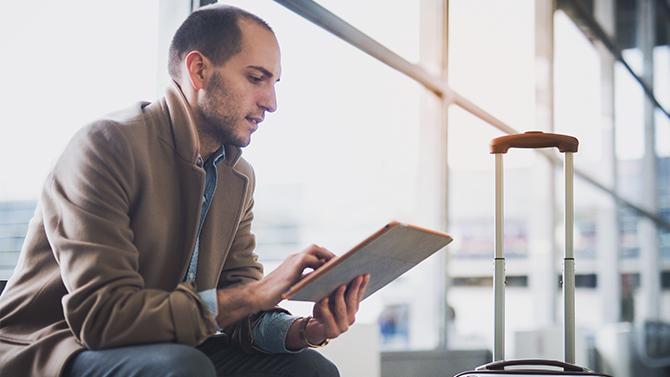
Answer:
(237, 94)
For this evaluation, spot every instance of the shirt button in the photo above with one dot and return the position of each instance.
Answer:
(198, 161)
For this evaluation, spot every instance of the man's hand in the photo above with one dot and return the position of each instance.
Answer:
(333, 315)
(237, 302)
(269, 291)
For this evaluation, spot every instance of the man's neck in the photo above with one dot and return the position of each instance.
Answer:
(207, 146)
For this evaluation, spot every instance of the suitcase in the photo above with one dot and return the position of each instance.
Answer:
(533, 367)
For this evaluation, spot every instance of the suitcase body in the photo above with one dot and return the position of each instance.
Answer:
(533, 367)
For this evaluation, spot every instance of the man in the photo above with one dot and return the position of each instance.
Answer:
(140, 260)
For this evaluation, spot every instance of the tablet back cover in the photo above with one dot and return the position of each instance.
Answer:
(385, 255)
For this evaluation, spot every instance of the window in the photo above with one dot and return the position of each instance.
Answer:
(341, 157)
(490, 58)
(60, 72)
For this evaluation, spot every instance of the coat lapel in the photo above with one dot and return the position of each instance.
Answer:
(220, 225)
(181, 135)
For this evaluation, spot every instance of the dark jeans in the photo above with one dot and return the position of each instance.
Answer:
(211, 359)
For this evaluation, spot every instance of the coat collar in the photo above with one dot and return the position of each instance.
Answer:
(183, 136)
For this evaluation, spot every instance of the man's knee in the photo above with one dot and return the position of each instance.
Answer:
(313, 364)
(155, 360)
(180, 361)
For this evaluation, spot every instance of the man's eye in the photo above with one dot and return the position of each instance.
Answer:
(255, 79)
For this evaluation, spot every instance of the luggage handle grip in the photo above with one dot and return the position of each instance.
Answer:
(534, 139)
(501, 365)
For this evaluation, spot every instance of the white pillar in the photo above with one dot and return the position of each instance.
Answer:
(432, 165)
(609, 283)
(647, 232)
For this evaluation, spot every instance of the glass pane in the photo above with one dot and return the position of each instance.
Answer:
(577, 94)
(640, 239)
(593, 238)
(398, 29)
(628, 38)
(629, 121)
(491, 52)
(471, 205)
(580, 86)
(338, 160)
(68, 63)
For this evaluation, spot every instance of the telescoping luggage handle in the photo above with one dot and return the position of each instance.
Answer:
(568, 145)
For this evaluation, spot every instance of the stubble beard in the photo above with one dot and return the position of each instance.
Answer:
(216, 112)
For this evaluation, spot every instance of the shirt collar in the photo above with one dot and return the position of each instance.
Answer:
(218, 156)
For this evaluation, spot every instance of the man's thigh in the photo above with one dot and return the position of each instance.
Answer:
(151, 360)
(232, 362)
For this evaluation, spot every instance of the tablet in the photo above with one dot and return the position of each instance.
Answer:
(385, 255)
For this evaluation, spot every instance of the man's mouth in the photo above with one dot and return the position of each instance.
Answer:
(254, 121)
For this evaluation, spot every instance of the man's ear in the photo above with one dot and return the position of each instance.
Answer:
(196, 65)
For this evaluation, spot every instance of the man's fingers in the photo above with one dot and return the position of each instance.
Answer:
(339, 308)
(366, 283)
(312, 257)
(293, 269)
(361, 290)
(353, 298)
(325, 316)
(337, 312)
(312, 261)
(319, 252)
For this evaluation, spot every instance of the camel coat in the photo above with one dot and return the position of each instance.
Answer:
(108, 247)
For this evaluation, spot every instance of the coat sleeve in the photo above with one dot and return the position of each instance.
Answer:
(86, 204)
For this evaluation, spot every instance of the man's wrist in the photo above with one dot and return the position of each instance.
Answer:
(301, 334)
(250, 296)
(236, 302)
(308, 336)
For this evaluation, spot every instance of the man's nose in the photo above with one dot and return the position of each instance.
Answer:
(269, 100)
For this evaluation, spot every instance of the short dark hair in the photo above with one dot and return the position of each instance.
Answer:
(212, 30)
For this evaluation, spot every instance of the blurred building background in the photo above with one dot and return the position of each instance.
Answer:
(385, 112)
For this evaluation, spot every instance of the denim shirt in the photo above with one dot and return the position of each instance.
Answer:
(271, 330)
